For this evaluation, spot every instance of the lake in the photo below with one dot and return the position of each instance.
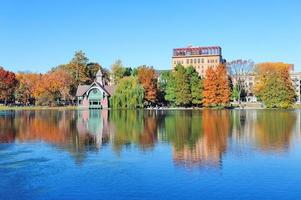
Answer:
(196, 154)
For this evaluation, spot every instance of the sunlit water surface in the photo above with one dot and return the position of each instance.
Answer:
(252, 154)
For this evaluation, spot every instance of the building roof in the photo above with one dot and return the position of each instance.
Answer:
(198, 48)
(199, 51)
(82, 89)
(110, 89)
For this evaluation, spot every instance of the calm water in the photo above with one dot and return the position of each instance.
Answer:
(150, 155)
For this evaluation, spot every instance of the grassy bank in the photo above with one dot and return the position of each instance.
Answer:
(3, 108)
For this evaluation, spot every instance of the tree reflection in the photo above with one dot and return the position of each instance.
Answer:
(133, 127)
(7, 128)
(75, 132)
(274, 129)
(198, 138)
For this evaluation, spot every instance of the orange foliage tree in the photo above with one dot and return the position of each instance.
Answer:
(210, 87)
(223, 87)
(216, 87)
(27, 83)
(53, 86)
(8, 84)
(148, 79)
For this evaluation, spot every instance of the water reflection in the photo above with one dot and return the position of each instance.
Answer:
(197, 138)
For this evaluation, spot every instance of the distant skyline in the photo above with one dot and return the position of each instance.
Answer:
(38, 35)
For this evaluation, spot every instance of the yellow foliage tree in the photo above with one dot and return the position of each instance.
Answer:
(274, 86)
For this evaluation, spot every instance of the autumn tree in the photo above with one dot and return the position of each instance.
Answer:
(210, 87)
(274, 86)
(8, 83)
(53, 87)
(216, 87)
(129, 94)
(223, 92)
(82, 71)
(77, 68)
(27, 84)
(148, 79)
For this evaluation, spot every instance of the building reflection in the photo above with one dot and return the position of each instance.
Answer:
(93, 125)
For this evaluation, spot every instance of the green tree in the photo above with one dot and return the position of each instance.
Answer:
(169, 87)
(182, 90)
(127, 71)
(129, 94)
(196, 86)
(118, 71)
(235, 93)
(134, 72)
(182, 87)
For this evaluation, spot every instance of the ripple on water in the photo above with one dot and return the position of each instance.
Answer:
(22, 163)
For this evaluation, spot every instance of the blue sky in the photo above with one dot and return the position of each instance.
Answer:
(36, 35)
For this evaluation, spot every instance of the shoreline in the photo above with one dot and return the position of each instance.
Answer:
(32, 108)
(20, 108)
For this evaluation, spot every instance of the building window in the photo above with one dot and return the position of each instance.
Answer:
(202, 60)
(191, 61)
(194, 61)
(187, 61)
